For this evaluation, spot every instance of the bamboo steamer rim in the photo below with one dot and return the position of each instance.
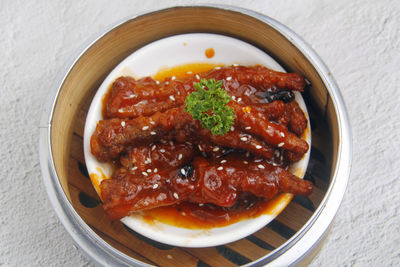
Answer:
(297, 247)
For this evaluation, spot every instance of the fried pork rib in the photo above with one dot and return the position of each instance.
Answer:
(210, 182)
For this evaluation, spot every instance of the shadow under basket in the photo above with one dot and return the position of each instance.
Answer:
(110, 242)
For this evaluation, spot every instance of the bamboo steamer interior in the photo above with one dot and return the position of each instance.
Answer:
(90, 69)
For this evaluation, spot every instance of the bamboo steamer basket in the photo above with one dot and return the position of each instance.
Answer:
(291, 238)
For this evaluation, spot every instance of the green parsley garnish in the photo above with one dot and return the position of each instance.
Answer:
(208, 104)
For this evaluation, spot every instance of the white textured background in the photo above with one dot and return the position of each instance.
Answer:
(358, 40)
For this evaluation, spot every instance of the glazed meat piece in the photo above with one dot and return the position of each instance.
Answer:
(113, 135)
(219, 183)
(240, 140)
(155, 156)
(273, 134)
(130, 98)
(296, 120)
(258, 76)
(128, 191)
(273, 111)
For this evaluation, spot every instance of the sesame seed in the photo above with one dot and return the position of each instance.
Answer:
(260, 166)
(169, 257)
(257, 160)
(189, 72)
(130, 96)
(134, 168)
(201, 204)
(232, 187)
(155, 170)
(172, 97)
(217, 68)
(247, 154)
(166, 83)
(176, 195)
(149, 170)
(247, 128)
(200, 148)
(153, 133)
(157, 82)
(223, 161)
(215, 149)
(233, 97)
(281, 144)
(245, 162)
(179, 156)
(145, 128)
(183, 171)
(173, 78)
(122, 123)
(145, 173)
(244, 138)
(120, 110)
(152, 122)
(258, 146)
(162, 150)
(229, 78)
(155, 186)
(197, 77)
(235, 65)
(239, 99)
(183, 213)
(220, 168)
(153, 147)
(282, 134)
(232, 128)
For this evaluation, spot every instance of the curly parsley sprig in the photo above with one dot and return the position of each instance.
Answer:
(208, 105)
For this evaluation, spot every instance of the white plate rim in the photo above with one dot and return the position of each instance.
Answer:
(196, 44)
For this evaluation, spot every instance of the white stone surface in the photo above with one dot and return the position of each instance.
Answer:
(358, 40)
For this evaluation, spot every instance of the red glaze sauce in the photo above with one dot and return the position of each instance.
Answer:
(210, 52)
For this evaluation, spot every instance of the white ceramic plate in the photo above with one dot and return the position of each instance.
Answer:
(147, 61)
